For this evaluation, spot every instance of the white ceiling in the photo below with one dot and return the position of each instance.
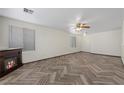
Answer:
(100, 19)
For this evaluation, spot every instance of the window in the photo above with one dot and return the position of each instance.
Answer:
(28, 39)
(21, 38)
(15, 37)
(73, 41)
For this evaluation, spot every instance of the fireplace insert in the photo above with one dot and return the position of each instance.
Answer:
(10, 63)
(10, 60)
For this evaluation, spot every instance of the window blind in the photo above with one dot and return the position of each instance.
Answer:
(21, 38)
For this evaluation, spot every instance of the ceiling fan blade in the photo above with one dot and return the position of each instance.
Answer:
(81, 25)
(86, 27)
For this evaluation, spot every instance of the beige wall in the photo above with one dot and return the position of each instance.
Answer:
(49, 42)
(108, 42)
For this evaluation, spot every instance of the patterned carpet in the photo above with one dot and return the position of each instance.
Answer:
(74, 69)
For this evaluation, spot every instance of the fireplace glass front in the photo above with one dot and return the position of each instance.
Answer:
(10, 63)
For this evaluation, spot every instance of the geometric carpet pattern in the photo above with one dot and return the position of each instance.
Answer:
(74, 69)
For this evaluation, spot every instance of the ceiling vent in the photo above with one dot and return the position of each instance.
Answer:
(28, 11)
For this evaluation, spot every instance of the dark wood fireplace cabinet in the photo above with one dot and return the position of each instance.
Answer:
(10, 59)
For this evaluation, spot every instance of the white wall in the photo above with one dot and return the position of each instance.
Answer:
(122, 44)
(49, 42)
(85, 45)
(108, 42)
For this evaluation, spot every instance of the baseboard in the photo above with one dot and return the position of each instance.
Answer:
(52, 57)
(74, 53)
(102, 54)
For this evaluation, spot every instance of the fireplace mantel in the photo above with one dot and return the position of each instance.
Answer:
(10, 59)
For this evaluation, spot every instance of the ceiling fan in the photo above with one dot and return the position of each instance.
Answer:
(81, 26)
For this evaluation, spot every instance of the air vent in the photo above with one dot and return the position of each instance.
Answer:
(28, 11)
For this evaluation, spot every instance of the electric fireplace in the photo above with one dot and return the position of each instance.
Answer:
(10, 63)
(10, 59)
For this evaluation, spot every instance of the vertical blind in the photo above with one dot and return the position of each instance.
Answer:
(28, 39)
(21, 38)
(73, 41)
(15, 37)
